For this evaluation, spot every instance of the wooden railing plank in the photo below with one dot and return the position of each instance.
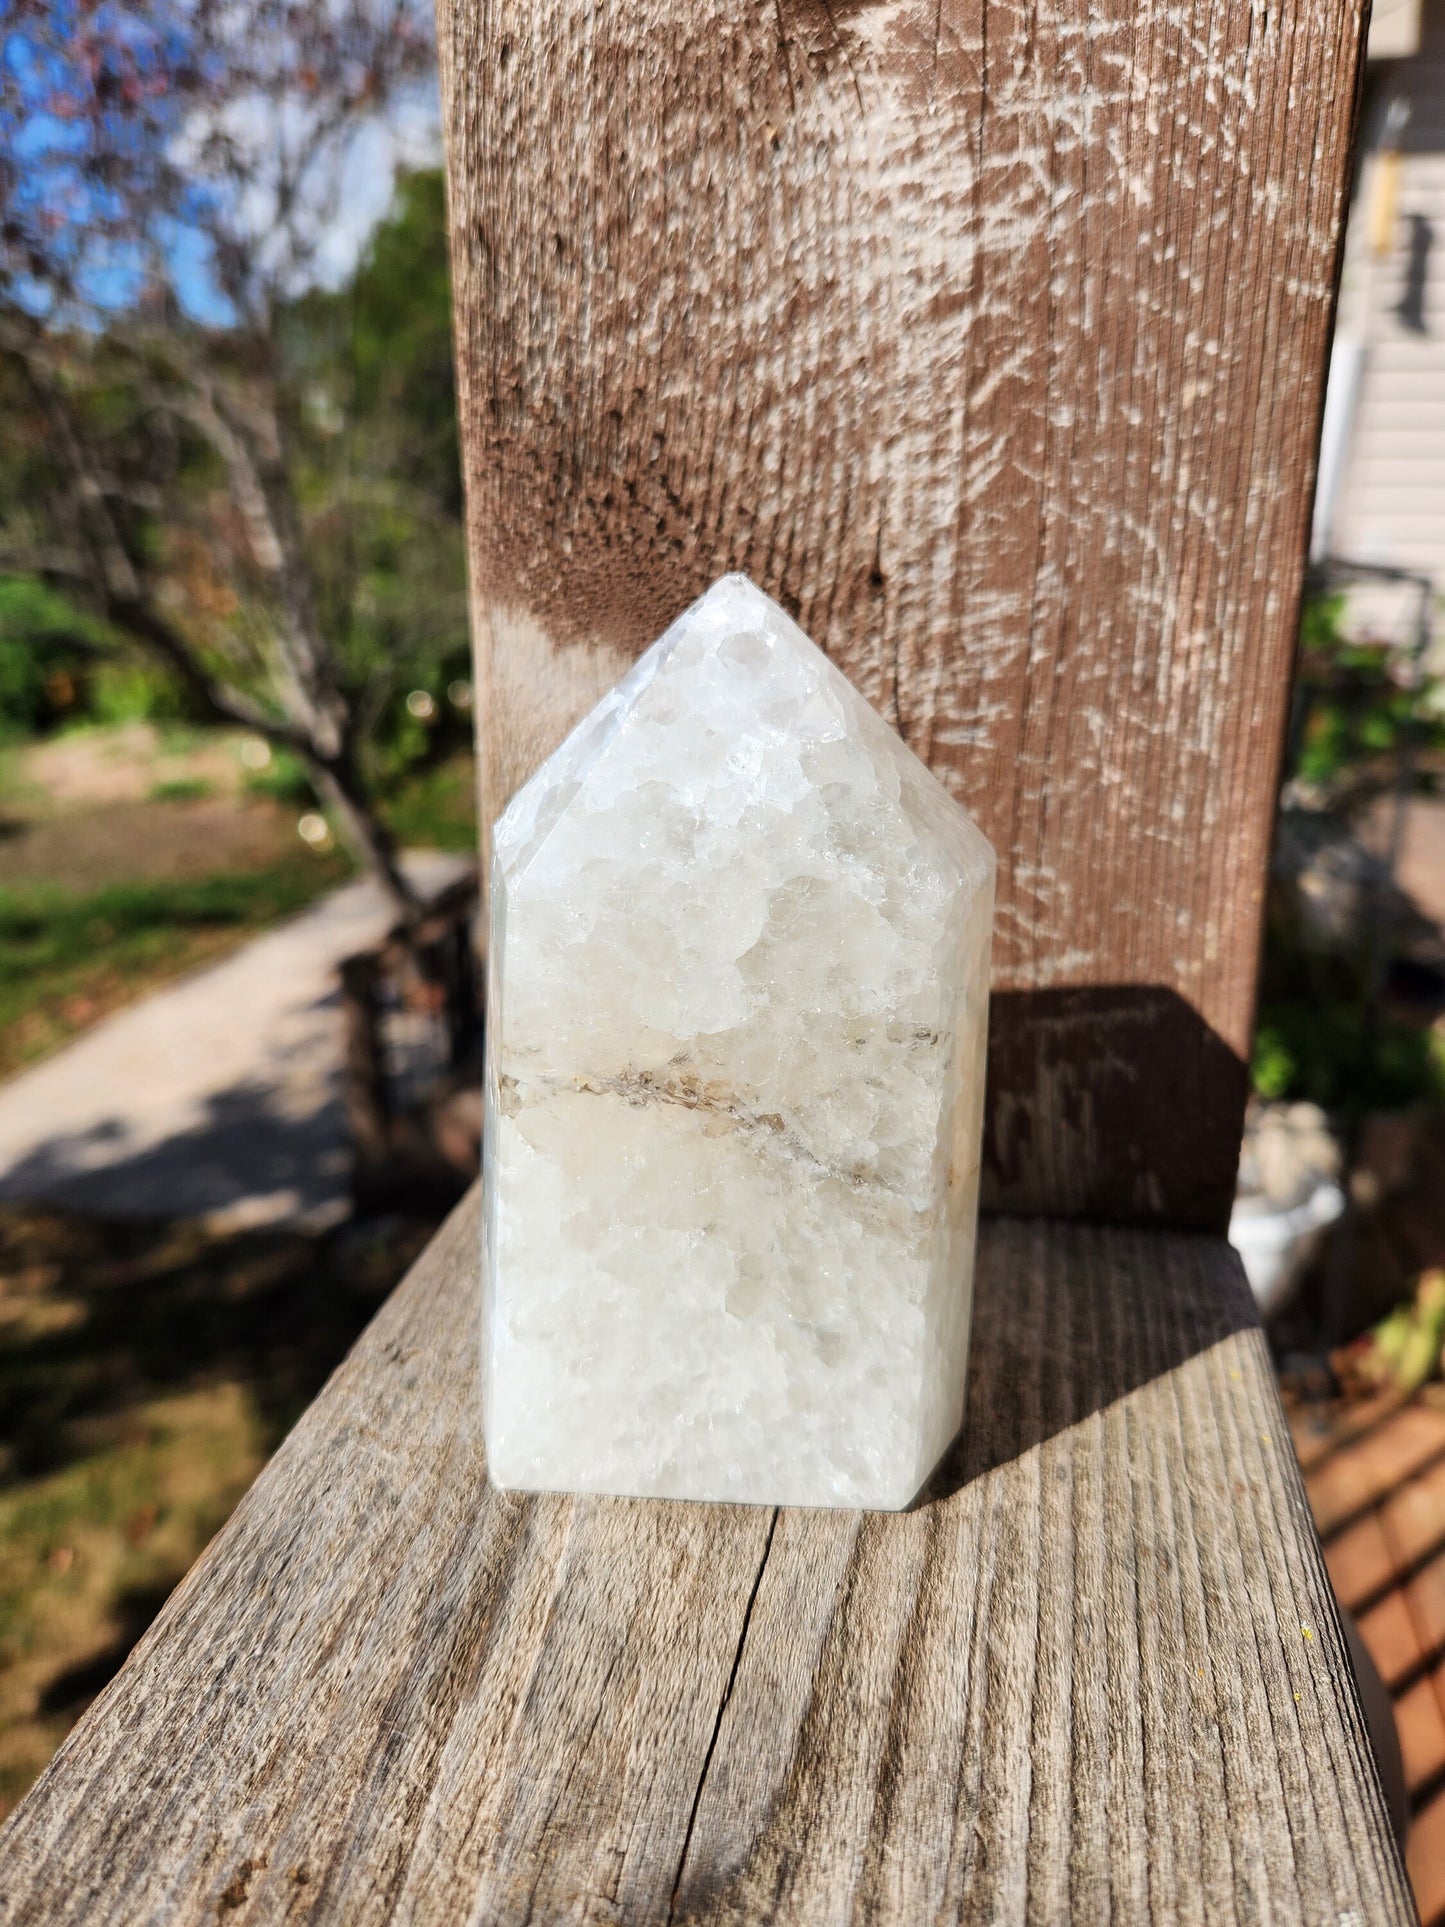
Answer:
(1096, 1671)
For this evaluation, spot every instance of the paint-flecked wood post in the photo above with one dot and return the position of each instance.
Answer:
(989, 339)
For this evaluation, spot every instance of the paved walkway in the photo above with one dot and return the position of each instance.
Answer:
(217, 1097)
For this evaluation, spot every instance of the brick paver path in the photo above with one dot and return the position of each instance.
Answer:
(1376, 1480)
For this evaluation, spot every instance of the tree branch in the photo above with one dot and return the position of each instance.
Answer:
(51, 565)
(141, 619)
(260, 491)
(118, 584)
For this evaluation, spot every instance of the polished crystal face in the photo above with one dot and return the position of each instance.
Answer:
(739, 985)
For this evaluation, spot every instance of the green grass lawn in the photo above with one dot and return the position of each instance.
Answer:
(70, 957)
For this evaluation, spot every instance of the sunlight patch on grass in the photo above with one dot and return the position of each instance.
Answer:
(146, 1371)
(88, 1554)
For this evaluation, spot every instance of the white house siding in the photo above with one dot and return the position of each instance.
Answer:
(1394, 28)
(1388, 503)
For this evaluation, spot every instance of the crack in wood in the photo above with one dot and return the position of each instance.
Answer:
(842, 47)
(722, 1709)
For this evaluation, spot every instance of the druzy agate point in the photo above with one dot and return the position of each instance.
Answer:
(738, 975)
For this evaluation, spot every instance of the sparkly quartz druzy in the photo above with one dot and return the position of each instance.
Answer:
(739, 991)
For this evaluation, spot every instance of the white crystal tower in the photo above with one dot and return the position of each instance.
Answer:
(739, 991)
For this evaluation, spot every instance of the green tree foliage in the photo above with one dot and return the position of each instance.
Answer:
(363, 377)
(1365, 713)
(1357, 702)
(47, 655)
(175, 171)
(399, 354)
(368, 373)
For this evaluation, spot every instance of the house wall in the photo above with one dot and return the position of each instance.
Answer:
(1394, 29)
(1388, 503)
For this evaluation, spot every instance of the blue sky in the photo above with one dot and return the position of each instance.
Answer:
(74, 83)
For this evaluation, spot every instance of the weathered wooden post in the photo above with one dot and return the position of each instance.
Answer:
(990, 339)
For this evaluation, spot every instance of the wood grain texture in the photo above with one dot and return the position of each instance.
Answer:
(1096, 1674)
(989, 337)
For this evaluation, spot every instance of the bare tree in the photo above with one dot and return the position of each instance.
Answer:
(174, 171)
